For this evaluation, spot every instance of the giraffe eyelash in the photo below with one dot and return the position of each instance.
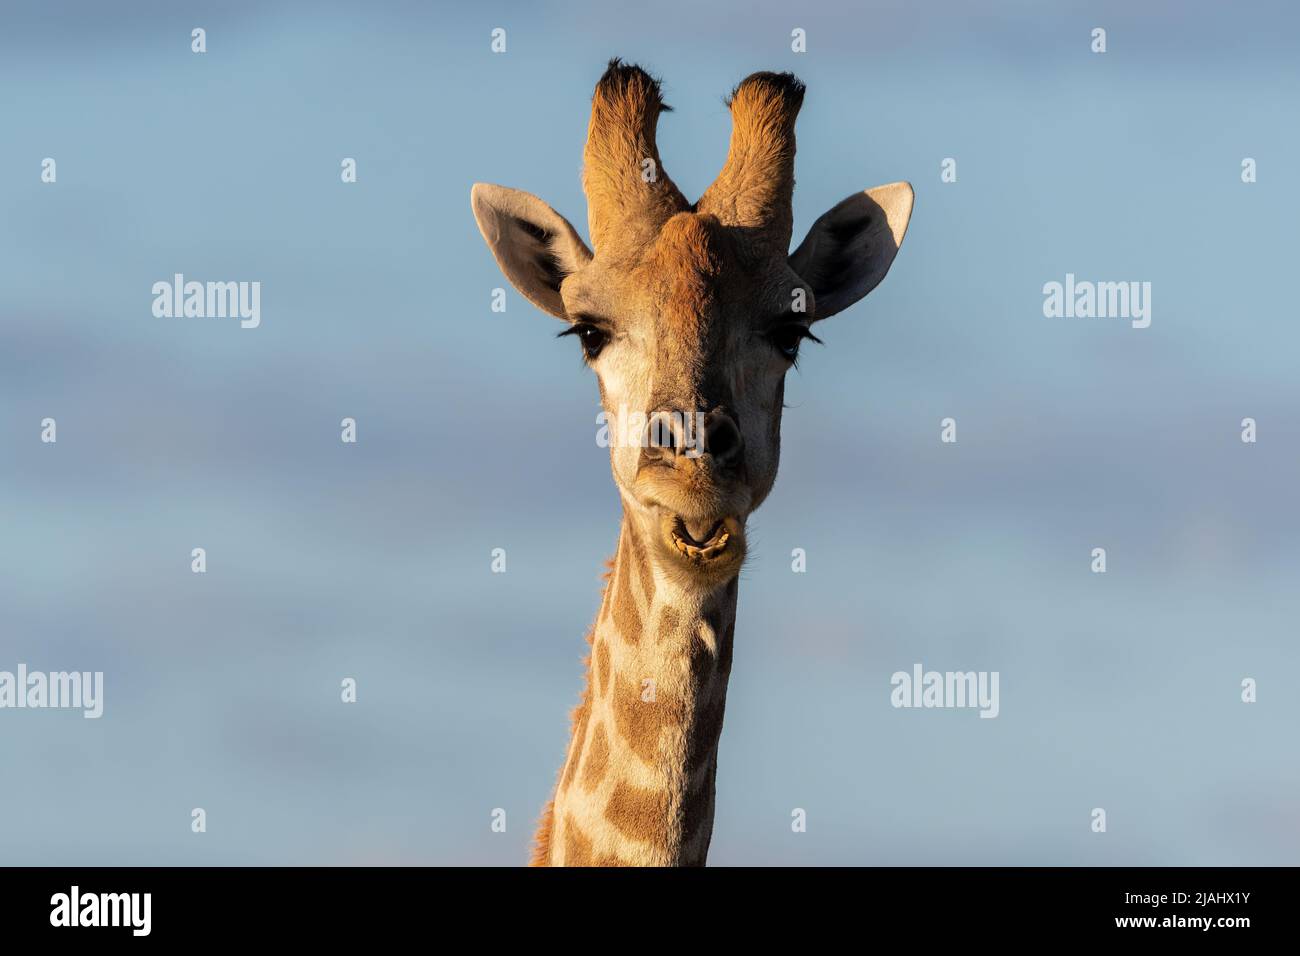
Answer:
(789, 349)
(592, 336)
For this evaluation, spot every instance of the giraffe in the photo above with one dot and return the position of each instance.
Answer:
(690, 315)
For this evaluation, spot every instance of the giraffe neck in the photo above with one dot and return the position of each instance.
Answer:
(637, 785)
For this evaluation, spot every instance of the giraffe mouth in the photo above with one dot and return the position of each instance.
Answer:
(703, 540)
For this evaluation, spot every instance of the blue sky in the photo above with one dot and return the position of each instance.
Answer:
(1118, 691)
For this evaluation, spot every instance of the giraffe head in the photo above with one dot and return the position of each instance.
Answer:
(691, 315)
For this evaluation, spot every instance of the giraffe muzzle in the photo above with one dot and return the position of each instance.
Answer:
(708, 545)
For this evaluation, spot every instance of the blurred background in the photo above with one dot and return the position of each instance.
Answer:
(476, 431)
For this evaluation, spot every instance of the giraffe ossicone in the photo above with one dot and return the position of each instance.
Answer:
(686, 312)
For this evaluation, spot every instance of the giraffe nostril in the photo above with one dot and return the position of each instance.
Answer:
(722, 440)
(661, 438)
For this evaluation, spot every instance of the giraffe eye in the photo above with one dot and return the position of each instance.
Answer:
(592, 338)
(786, 339)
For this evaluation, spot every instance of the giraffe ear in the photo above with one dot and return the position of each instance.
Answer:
(533, 244)
(849, 249)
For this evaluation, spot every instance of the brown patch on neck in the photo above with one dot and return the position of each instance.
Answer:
(636, 813)
(602, 669)
(638, 721)
(597, 762)
(670, 622)
(626, 616)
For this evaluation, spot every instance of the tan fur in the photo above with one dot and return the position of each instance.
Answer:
(541, 854)
(622, 208)
(639, 721)
(689, 301)
(756, 184)
(596, 761)
(636, 812)
(577, 848)
(639, 787)
(602, 671)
